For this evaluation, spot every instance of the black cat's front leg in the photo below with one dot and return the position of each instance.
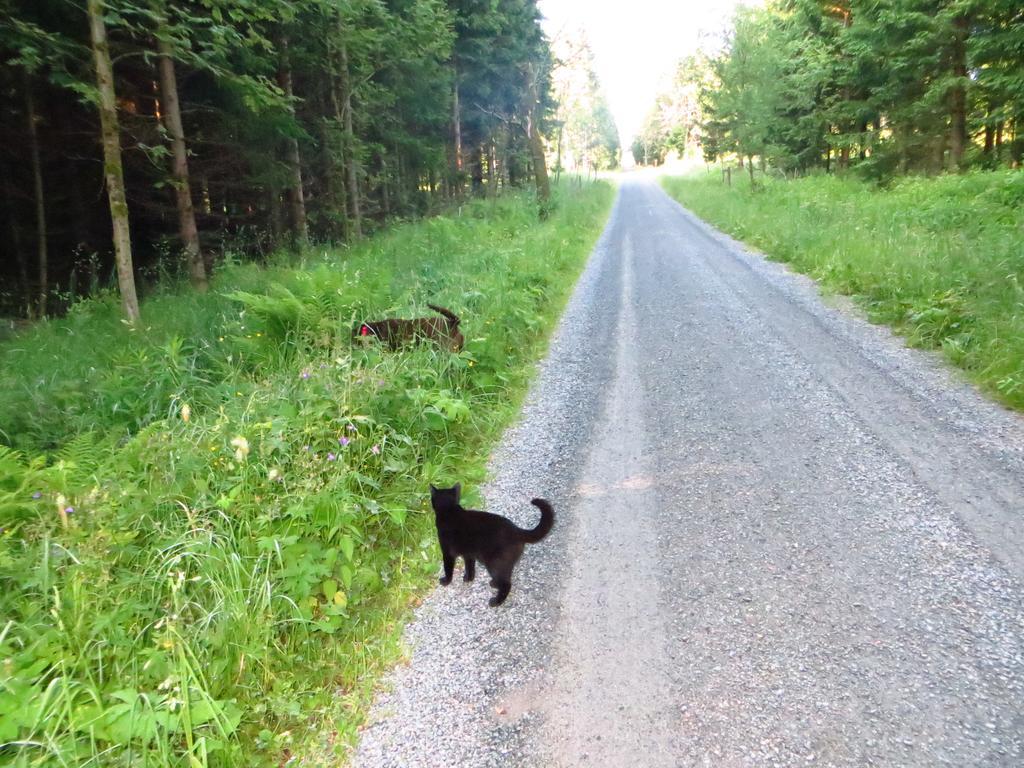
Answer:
(470, 572)
(449, 567)
(503, 590)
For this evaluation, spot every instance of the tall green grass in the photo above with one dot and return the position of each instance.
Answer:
(213, 525)
(939, 259)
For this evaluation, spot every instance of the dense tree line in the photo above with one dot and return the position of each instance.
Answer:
(894, 86)
(143, 135)
(673, 122)
(584, 134)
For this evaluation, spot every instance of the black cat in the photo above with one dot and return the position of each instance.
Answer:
(493, 540)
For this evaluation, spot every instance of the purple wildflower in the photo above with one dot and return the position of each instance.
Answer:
(304, 374)
(37, 495)
(69, 510)
(331, 457)
(343, 441)
(375, 450)
(351, 427)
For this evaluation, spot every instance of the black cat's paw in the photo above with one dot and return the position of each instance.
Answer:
(495, 601)
(444, 581)
(468, 576)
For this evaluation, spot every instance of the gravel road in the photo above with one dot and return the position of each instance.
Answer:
(781, 539)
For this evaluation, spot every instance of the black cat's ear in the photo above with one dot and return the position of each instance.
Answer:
(458, 491)
(433, 488)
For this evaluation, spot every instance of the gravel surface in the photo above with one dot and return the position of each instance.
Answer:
(781, 539)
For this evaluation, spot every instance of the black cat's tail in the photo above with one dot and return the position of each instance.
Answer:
(453, 319)
(543, 528)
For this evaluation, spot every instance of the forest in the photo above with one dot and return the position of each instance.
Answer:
(148, 142)
(891, 87)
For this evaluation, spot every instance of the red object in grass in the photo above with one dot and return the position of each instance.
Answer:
(364, 331)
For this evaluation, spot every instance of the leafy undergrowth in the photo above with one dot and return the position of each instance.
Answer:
(213, 526)
(939, 259)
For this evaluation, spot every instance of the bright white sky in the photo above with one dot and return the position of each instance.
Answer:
(636, 44)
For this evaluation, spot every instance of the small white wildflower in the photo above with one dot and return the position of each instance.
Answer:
(241, 446)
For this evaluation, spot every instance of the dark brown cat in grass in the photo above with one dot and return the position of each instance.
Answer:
(396, 332)
(492, 539)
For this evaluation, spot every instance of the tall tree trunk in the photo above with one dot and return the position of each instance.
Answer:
(336, 172)
(558, 155)
(291, 155)
(902, 133)
(39, 197)
(958, 95)
(492, 176)
(477, 171)
(1016, 142)
(990, 132)
(327, 173)
(512, 160)
(939, 161)
(16, 244)
(540, 169)
(456, 132)
(385, 194)
(187, 229)
(333, 174)
(504, 166)
(114, 173)
(276, 217)
(350, 142)
(204, 195)
(399, 183)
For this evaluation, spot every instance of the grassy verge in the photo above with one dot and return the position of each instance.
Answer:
(941, 260)
(212, 527)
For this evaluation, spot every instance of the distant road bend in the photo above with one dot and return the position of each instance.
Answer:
(782, 539)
